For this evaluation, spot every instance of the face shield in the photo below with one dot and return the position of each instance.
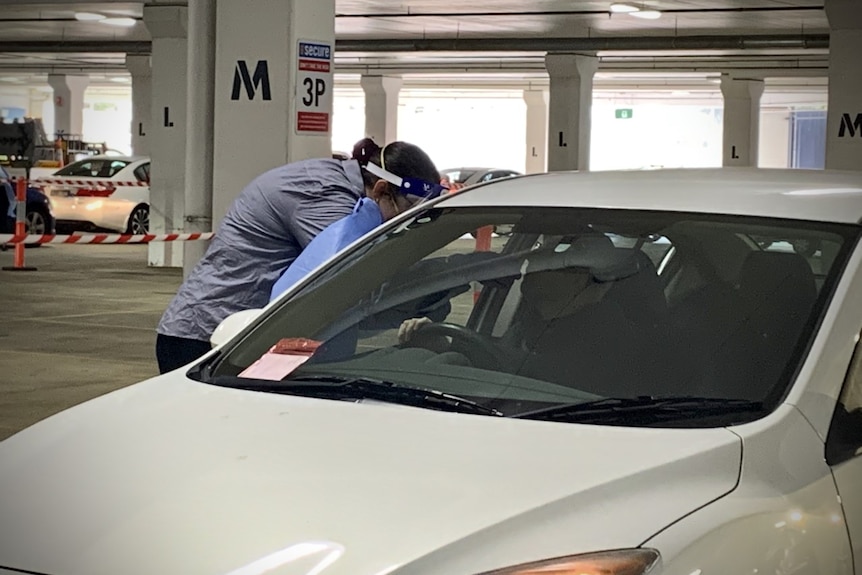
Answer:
(415, 190)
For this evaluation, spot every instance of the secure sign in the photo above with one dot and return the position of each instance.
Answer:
(313, 87)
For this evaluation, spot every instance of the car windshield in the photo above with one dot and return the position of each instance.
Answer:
(93, 168)
(692, 320)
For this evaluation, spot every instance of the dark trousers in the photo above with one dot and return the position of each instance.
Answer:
(175, 352)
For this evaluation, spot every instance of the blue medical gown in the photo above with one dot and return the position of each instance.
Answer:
(365, 217)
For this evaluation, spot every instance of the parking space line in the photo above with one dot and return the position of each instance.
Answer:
(15, 352)
(108, 326)
(74, 316)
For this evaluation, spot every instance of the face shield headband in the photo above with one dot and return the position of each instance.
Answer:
(420, 189)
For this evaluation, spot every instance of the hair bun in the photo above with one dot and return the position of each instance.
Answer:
(364, 150)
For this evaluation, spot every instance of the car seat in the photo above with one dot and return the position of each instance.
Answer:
(609, 334)
(738, 342)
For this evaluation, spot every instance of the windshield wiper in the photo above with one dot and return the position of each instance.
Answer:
(644, 410)
(348, 387)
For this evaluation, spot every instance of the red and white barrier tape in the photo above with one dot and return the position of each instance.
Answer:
(102, 238)
(80, 182)
(87, 182)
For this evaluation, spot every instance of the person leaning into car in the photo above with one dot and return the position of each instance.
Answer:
(267, 227)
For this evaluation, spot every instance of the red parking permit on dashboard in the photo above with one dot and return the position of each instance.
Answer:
(282, 359)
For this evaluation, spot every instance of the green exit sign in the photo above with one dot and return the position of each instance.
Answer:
(623, 113)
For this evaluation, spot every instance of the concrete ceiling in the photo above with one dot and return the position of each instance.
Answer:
(778, 37)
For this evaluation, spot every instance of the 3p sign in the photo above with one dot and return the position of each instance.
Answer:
(313, 87)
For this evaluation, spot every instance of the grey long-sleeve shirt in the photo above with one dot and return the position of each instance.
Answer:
(266, 228)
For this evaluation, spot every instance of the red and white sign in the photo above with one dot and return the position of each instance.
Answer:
(314, 87)
(312, 122)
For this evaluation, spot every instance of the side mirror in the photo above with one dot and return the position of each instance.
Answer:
(232, 325)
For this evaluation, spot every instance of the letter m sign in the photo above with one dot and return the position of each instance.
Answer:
(848, 124)
(260, 80)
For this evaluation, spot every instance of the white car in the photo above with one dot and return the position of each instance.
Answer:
(634, 382)
(112, 199)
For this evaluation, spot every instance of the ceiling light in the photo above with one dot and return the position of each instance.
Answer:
(88, 16)
(120, 79)
(124, 22)
(647, 14)
(623, 8)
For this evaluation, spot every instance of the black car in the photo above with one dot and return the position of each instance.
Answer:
(40, 216)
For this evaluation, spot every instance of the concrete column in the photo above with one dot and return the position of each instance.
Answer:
(569, 108)
(68, 103)
(271, 106)
(200, 104)
(741, 121)
(36, 104)
(142, 101)
(537, 131)
(381, 107)
(168, 26)
(774, 145)
(844, 118)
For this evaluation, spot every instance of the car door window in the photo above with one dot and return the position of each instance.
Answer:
(113, 167)
(459, 176)
(845, 433)
(502, 174)
(844, 449)
(99, 168)
(142, 173)
(86, 169)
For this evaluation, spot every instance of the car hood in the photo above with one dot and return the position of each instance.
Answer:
(174, 476)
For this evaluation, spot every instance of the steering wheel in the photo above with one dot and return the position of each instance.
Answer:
(478, 349)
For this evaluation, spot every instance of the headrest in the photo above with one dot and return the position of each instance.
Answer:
(596, 253)
(555, 285)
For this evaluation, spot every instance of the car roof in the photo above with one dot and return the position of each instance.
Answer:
(130, 159)
(473, 169)
(816, 195)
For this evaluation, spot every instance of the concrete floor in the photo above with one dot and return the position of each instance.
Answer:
(81, 325)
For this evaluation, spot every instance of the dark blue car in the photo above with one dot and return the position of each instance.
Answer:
(40, 216)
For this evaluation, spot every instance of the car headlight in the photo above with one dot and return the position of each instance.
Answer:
(621, 562)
